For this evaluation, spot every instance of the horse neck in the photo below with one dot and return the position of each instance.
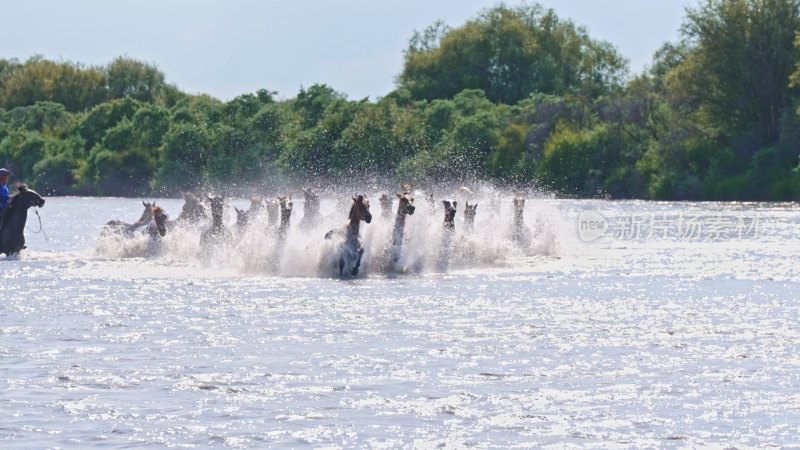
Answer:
(285, 218)
(352, 230)
(145, 217)
(310, 208)
(354, 218)
(518, 216)
(469, 222)
(216, 221)
(400, 220)
(449, 223)
(399, 228)
(15, 215)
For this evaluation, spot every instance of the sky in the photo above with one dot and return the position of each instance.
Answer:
(234, 47)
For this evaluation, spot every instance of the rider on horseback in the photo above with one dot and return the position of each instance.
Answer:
(5, 198)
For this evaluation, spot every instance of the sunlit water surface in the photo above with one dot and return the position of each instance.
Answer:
(676, 338)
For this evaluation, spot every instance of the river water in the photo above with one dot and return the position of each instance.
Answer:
(622, 324)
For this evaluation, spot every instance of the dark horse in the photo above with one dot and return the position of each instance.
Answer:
(12, 236)
(351, 250)
(405, 208)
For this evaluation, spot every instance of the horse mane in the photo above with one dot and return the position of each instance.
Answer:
(21, 189)
(356, 200)
(157, 209)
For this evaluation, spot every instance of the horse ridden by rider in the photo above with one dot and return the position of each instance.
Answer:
(12, 230)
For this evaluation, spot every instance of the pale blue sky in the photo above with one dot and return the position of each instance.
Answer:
(239, 46)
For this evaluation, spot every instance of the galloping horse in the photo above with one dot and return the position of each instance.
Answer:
(469, 217)
(193, 210)
(12, 235)
(127, 229)
(286, 214)
(273, 208)
(449, 215)
(158, 225)
(218, 232)
(351, 250)
(286, 206)
(386, 206)
(405, 208)
(449, 231)
(256, 208)
(157, 229)
(310, 209)
(241, 220)
(520, 233)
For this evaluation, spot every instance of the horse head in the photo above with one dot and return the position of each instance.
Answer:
(160, 219)
(147, 214)
(470, 210)
(386, 204)
(406, 206)
(217, 207)
(273, 207)
(431, 201)
(310, 195)
(192, 209)
(256, 203)
(241, 217)
(407, 188)
(449, 213)
(360, 209)
(286, 207)
(27, 197)
(519, 205)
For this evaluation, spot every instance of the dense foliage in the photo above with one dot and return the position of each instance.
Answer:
(516, 95)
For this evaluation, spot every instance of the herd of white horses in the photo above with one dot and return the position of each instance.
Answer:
(404, 237)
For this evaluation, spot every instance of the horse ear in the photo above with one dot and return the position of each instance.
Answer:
(399, 195)
(355, 198)
(445, 202)
(454, 205)
(145, 204)
(467, 203)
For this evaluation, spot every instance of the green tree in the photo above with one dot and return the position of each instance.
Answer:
(38, 80)
(127, 77)
(738, 69)
(509, 53)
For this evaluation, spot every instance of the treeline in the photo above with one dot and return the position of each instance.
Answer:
(516, 96)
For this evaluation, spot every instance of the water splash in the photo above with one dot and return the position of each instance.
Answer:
(304, 252)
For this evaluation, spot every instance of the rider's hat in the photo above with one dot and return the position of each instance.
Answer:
(5, 171)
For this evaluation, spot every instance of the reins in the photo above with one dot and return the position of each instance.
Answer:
(41, 228)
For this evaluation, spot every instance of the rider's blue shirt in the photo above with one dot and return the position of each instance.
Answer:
(4, 197)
